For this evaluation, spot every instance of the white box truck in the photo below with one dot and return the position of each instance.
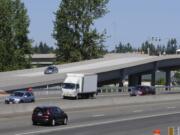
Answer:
(79, 85)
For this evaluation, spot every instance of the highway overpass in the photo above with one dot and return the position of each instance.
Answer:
(113, 68)
(40, 60)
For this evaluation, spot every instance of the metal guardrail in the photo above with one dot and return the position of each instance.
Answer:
(159, 89)
(102, 90)
(107, 89)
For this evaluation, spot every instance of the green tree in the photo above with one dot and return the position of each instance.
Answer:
(171, 46)
(6, 48)
(160, 49)
(123, 48)
(14, 42)
(43, 48)
(76, 37)
(146, 45)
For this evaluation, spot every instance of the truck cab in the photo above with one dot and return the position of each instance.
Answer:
(70, 89)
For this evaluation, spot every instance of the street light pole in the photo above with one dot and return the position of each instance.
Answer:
(148, 51)
(156, 41)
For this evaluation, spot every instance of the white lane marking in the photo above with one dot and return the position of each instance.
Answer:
(171, 107)
(138, 111)
(96, 124)
(98, 115)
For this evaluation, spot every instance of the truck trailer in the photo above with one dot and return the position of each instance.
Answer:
(79, 85)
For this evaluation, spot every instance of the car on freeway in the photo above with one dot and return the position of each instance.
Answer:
(20, 97)
(50, 115)
(141, 90)
(51, 70)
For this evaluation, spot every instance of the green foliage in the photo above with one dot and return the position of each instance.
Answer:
(73, 30)
(171, 46)
(160, 49)
(123, 48)
(161, 81)
(14, 43)
(146, 45)
(43, 48)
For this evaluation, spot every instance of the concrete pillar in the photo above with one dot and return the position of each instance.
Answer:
(121, 80)
(153, 75)
(139, 79)
(122, 76)
(134, 80)
(168, 78)
(130, 80)
(153, 78)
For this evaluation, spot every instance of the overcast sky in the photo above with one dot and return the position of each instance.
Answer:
(131, 21)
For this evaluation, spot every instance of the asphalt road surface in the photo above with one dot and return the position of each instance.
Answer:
(144, 126)
(136, 119)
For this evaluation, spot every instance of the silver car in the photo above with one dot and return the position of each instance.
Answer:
(20, 97)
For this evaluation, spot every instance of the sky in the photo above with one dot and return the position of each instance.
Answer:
(133, 21)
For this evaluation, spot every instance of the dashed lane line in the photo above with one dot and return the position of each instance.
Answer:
(94, 124)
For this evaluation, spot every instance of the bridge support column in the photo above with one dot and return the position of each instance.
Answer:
(139, 79)
(121, 80)
(122, 76)
(134, 80)
(153, 75)
(153, 78)
(168, 79)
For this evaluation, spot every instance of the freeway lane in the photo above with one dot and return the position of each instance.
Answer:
(106, 100)
(109, 120)
(144, 126)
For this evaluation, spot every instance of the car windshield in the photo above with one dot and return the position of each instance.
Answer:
(18, 94)
(68, 85)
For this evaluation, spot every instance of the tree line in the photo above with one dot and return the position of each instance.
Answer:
(168, 48)
(74, 32)
(42, 48)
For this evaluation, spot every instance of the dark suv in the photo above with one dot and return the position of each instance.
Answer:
(50, 115)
